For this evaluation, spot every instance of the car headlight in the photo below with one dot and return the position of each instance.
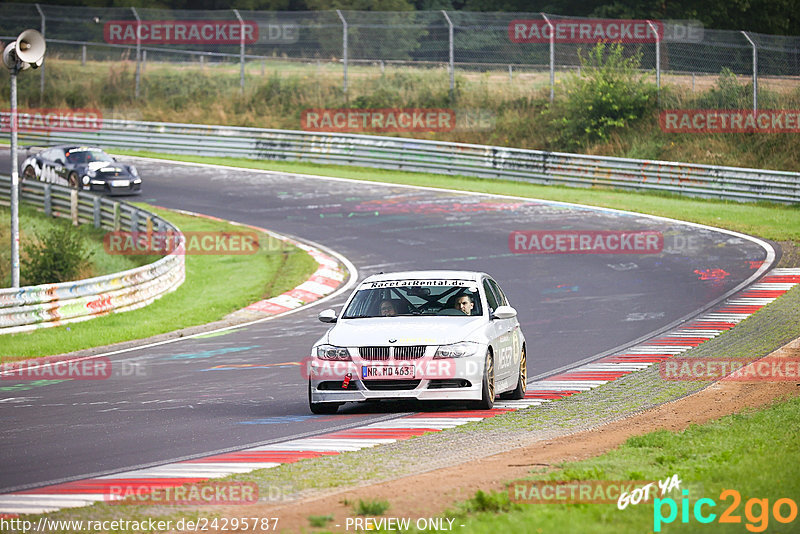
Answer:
(91, 173)
(85, 180)
(133, 171)
(462, 349)
(329, 352)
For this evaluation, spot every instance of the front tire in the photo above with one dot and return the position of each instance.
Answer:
(522, 381)
(487, 391)
(321, 408)
(29, 173)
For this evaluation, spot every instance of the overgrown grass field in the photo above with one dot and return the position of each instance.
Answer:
(619, 98)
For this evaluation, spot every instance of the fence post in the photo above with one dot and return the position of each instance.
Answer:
(117, 217)
(96, 211)
(241, 51)
(138, 49)
(452, 55)
(658, 61)
(552, 56)
(144, 60)
(48, 200)
(344, 47)
(134, 220)
(755, 71)
(83, 55)
(73, 206)
(41, 71)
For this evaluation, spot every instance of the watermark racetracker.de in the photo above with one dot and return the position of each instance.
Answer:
(729, 121)
(382, 120)
(71, 368)
(53, 119)
(196, 243)
(585, 242)
(767, 369)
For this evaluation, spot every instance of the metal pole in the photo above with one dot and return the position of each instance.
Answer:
(552, 57)
(14, 184)
(755, 71)
(41, 71)
(138, 49)
(344, 47)
(658, 60)
(452, 55)
(241, 51)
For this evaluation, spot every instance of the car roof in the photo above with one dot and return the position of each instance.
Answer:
(426, 275)
(73, 147)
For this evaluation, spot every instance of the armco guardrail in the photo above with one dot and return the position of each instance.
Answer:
(550, 168)
(28, 308)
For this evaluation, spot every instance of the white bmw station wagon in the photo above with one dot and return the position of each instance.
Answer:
(425, 335)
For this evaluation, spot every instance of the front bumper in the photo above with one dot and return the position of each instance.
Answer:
(107, 189)
(442, 379)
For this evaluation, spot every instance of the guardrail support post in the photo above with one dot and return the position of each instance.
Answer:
(452, 64)
(96, 212)
(83, 55)
(138, 50)
(117, 223)
(134, 221)
(41, 69)
(552, 57)
(48, 200)
(755, 71)
(73, 206)
(241, 51)
(344, 48)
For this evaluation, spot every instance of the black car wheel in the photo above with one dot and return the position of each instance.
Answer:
(522, 381)
(29, 173)
(487, 395)
(321, 408)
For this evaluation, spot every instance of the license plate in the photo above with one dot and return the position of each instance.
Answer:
(379, 372)
(120, 183)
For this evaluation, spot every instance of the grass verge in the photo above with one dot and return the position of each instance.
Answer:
(215, 286)
(745, 452)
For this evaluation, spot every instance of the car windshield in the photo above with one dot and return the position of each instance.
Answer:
(80, 156)
(416, 297)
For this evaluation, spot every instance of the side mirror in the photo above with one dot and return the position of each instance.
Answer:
(327, 316)
(504, 312)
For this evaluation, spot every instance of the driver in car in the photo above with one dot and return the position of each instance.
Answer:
(464, 304)
(387, 308)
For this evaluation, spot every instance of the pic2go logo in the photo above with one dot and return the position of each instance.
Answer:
(757, 521)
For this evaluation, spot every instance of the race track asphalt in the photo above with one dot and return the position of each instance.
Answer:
(244, 387)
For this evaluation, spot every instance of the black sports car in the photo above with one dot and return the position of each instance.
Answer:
(82, 167)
